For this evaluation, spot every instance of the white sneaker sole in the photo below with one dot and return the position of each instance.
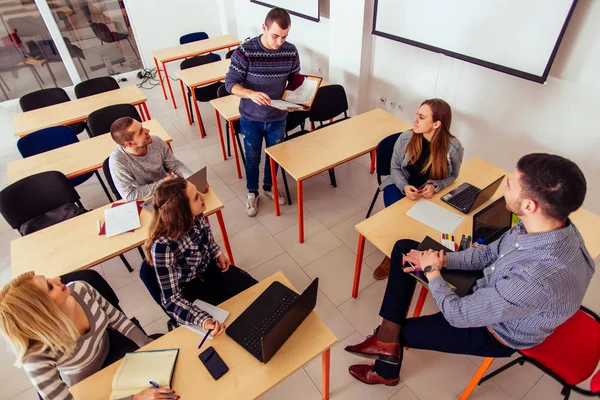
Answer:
(253, 214)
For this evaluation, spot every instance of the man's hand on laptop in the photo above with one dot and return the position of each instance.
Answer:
(215, 327)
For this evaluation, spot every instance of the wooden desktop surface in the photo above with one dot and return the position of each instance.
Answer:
(247, 378)
(195, 48)
(75, 244)
(204, 74)
(391, 224)
(74, 110)
(77, 158)
(327, 147)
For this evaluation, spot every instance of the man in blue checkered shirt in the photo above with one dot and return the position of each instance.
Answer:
(534, 278)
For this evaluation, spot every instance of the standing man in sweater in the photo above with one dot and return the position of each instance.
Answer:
(260, 70)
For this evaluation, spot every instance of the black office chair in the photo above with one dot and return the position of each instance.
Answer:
(48, 97)
(95, 85)
(294, 120)
(192, 37)
(148, 276)
(203, 93)
(105, 35)
(229, 53)
(99, 121)
(383, 161)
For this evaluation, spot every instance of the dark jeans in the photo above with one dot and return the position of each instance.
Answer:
(431, 332)
(214, 286)
(253, 133)
(391, 194)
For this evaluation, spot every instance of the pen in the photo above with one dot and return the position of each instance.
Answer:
(205, 337)
(156, 385)
(462, 243)
(415, 270)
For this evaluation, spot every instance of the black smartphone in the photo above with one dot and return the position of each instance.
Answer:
(213, 362)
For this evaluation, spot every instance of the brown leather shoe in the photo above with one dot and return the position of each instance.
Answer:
(383, 270)
(366, 374)
(371, 347)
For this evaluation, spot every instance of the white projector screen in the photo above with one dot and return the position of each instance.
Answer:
(517, 37)
(308, 9)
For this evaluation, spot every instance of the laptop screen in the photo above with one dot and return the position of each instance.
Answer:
(491, 222)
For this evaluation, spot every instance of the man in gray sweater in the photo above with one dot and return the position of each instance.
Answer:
(140, 163)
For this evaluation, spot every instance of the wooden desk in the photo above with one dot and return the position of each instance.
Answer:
(182, 51)
(392, 224)
(328, 147)
(247, 378)
(200, 76)
(75, 244)
(77, 110)
(75, 159)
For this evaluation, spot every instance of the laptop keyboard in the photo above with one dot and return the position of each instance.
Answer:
(465, 198)
(252, 342)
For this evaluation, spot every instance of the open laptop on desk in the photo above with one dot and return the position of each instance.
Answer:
(492, 222)
(272, 318)
(460, 281)
(198, 179)
(467, 197)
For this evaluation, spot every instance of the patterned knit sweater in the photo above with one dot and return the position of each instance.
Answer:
(45, 371)
(257, 68)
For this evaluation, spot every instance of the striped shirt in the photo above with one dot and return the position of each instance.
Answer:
(45, 371)
(180, 261)
(532, 283)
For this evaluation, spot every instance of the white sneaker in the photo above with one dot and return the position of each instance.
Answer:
(282, 200)
(251, 204)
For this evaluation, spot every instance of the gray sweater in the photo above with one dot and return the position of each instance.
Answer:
(136, 177)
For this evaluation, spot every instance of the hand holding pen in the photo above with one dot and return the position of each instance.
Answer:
(155, 393)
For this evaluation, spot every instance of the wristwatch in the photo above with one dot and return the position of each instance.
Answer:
(431, 268)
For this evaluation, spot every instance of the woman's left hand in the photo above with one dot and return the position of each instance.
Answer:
(428, 191)
(223, 262)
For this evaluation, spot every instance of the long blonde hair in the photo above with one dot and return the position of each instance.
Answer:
(32, 322)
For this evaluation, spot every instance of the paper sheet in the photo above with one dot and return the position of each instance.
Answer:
(121, 219)
(434, 216)
(304, 93)
(217, 313)
(285, 104)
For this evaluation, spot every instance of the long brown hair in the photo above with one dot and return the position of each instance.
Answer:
(172, 214)
(32, 322)
(436, 163)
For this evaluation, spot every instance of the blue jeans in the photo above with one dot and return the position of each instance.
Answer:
(391, 194)
(253, 133)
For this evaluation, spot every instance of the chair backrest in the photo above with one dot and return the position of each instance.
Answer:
(102, 32)
(96, 281)
(385, 151)
(222, 91)
(45, 140)
(200, 60)
(572, 351)
(35, 195)
(43, 98)
(329, 102)
(109, 179)
(193, 37)
(295, 119)
(99, 121)
(229, 53)
(95, 85)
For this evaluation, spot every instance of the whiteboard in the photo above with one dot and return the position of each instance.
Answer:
(519, 37)
(308, 9)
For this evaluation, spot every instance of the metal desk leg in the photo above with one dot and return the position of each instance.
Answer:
(187, 108)
(274, 188)
(235, 152)
(218, 117)
(326, 357)
(359, 258)
(162, 85)
(169, 84)
(225, 237)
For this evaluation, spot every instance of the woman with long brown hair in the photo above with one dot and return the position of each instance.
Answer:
(426, 159)
(188, 263)
(61, 334)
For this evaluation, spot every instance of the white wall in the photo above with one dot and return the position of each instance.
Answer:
(158, 24)
(500, 117)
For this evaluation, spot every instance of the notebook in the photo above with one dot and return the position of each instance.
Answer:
(217, 313)
(300, 93)
(139, 368)
(102, 226)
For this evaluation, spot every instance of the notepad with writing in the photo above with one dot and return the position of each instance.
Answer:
(299, 94)
(139, 368)
(217, 313)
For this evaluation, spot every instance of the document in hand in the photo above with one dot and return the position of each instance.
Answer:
(139, 368)
(300, 93)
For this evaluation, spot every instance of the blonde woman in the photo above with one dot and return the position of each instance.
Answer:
(61, 334)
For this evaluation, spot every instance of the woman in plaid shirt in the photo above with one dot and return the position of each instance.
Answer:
(189, 264)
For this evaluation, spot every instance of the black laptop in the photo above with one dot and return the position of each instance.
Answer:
(272, 318)
(460, 281)
(467, 197)
(492, 222)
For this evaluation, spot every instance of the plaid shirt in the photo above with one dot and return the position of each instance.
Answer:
(178, 262)
(532, 283)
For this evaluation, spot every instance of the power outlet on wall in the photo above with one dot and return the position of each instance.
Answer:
(392, 104)
(400, 107)
(382, 101)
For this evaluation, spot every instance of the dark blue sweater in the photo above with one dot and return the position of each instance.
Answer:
(257, 68)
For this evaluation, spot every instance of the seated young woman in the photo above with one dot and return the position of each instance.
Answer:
(61, 334)
(188, 263)
(426, 159)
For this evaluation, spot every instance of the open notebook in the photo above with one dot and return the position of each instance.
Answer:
(217, 313)
(300, 93)
(139, 368)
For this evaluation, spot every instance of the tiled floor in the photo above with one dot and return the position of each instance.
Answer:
(266, 244)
